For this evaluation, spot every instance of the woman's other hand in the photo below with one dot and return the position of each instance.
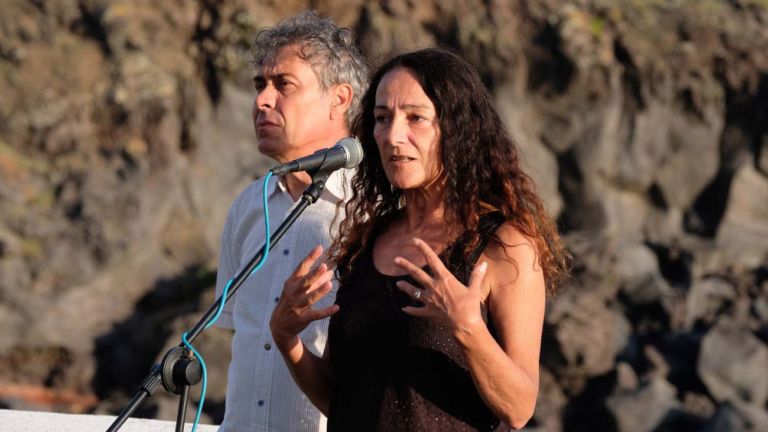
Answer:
(303, 288)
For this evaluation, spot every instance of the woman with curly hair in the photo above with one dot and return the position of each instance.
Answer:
(444, 261)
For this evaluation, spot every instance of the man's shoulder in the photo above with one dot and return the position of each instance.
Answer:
(253, 190)
(247, 201)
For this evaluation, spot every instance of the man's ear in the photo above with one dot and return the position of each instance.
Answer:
(341, 99)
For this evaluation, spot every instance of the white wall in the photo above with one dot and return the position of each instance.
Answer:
(28, 421)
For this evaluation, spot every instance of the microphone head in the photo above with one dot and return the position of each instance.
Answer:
(354, 150)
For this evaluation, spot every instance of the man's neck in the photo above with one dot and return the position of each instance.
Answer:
(296, 183)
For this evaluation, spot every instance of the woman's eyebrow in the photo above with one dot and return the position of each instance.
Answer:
(404, 106)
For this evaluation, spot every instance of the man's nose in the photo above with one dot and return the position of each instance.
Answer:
(265, 100)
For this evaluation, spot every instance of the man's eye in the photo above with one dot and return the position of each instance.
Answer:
(259, 85)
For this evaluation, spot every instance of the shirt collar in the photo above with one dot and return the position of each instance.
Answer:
(338, 183)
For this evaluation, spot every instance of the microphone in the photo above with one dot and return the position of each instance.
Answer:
(347, 153)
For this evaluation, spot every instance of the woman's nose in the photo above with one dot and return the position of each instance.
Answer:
(397, 132)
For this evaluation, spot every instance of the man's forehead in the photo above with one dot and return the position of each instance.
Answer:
(278, 61)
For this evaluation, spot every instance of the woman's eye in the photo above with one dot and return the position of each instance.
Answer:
(380, 118)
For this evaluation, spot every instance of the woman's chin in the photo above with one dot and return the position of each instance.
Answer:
(403, 183)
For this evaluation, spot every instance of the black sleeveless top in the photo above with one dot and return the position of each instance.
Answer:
(396, 372)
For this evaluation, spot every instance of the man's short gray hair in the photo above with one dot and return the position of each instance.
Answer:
(330, 51)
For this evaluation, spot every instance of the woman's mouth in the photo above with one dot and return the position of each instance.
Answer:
(400, 159)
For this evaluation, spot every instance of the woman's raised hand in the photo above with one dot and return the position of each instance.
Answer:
(446, 300)
(303, 288)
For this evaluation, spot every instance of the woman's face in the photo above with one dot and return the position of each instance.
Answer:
(407, 131)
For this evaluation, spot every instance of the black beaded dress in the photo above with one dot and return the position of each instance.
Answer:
(396, 372)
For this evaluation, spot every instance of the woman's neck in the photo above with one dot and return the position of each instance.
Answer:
(424, 209)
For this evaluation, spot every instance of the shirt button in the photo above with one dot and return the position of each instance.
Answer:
(267, 346)
(260, 403)
(277, 299)
(286, 252)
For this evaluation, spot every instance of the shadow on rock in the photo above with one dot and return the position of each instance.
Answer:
(125, 354)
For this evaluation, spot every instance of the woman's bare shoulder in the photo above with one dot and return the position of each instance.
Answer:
(511, 256)
(510, 244)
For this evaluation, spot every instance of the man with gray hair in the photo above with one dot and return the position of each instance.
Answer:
(309, 78)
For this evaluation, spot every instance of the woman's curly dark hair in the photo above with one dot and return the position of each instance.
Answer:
(480, 167)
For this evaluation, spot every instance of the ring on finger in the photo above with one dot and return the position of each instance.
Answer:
(417, 294)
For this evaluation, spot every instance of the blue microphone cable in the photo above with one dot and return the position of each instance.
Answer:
(224, 298)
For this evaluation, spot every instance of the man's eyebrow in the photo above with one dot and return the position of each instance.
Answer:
(277, 76)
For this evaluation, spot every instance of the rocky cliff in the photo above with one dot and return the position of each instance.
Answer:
(125, 134)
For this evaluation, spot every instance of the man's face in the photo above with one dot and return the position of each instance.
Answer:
(291, 112)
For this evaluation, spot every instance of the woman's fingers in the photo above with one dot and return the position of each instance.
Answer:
(413, 291)
(433, 260)
(312, 280)
(418, 274)
(314, 295)
(304, 266)
(304, 279)
(477, 276)
(318, 280)
(416, 311)
(294, 309)
(317, 314)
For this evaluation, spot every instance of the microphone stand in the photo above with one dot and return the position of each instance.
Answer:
(179, 369)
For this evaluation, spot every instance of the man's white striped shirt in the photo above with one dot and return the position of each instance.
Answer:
(261, 394)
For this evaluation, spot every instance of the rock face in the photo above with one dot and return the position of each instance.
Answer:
(125, 134)
(732, 365)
